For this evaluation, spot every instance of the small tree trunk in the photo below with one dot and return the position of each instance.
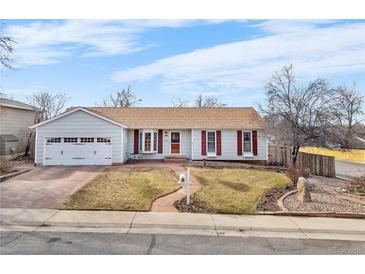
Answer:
(295, 151)
(29, 143)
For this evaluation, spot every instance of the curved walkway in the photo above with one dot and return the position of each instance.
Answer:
(166, 203)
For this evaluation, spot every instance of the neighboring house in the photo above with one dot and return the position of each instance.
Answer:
(15, 120)
(105, 136)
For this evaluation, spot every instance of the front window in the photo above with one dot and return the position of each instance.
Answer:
(148, 141)
(247, 142)
(211, 142)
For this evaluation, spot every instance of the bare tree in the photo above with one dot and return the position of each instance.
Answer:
(180, 103)
(124, 99)
(297, 116)
(5, 96)
(347, 111)
(199, 101)
(207, 102)
(47, 106)
(6, 51)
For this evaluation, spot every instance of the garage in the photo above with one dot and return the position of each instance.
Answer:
(77, 151)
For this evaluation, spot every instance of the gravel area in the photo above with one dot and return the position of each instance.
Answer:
(323, 201)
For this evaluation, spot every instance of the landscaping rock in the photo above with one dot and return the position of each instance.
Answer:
(303, 188)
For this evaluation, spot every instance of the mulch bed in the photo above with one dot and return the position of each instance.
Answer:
(268, 201)
(195, 206)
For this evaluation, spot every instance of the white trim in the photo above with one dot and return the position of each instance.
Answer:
(267, 146)
(152, 141)
(247, 154)
(35, 146)
(19, 107)
(192, 144)
(74, 110)
(122, 146)
(44, 151)
(215, 143)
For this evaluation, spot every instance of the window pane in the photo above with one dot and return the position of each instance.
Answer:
(175, 137)
(211, 136)
(211, 142)
(70, 140)
(147, 141)
(247, 142)
(154, 141)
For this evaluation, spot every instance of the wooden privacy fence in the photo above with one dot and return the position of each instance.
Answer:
(318, 164)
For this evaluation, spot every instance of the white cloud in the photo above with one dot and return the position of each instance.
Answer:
(45, 42)
(317, 48)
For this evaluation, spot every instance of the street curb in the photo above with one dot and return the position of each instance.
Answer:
(185, 227)
(203, 227)
(349, 215)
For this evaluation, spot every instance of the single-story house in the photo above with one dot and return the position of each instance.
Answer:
(15, 119)
(107, 136)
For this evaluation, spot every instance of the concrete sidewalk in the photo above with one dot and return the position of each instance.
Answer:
(126, 222)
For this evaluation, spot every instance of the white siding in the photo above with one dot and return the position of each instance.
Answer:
(229, 146)
(126, 139)
(80, 124)
(185, 144)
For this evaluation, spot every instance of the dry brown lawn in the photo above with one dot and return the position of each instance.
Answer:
(235, 190)
(120, 188)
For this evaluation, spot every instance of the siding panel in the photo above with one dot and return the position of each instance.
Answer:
(229, 146)
(81, 124)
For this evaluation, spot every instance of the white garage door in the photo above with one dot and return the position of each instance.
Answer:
(78, 151)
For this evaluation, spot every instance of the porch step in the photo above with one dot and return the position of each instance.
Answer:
(176, 159)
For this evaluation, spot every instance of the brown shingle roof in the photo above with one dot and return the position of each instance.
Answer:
(169, 117)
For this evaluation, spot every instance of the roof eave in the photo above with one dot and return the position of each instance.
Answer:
(74, 110)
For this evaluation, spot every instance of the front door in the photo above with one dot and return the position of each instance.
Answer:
(175, 142)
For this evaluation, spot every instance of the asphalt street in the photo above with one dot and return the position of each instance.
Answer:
(349, 169)
(117, 243)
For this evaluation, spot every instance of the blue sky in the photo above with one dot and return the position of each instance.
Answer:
(164, 60)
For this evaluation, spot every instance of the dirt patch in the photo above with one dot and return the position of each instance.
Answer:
(195, 206)
(6, 168)
(268, 201)
(235, 186)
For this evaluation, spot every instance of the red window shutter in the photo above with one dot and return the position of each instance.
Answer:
(219, 142)
(136, 141)
(160, 138)
(239, 143)
(204, 142)
(254, 142)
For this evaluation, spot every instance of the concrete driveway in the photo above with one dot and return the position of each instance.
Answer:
(44, 187)
(349, 170)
